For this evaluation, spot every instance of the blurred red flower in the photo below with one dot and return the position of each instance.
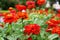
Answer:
(58, 21)
(53, 26)
(56, 30)
(30, 4)
(20, 7)
(9, 18)
(22, 15)
(41, 11)
(52, 23)
(4, 14)
(13, 12)
(58, 15)
(32, 29)
(41, 2)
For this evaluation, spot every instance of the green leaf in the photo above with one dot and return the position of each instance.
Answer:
(12, 37)
(1, 38)
(53, 36)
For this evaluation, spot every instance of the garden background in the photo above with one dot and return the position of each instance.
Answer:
(29, 19)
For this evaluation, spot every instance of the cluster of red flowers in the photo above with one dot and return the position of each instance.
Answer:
(32, 29)
(9, 18)
(54, 26)
(13, 16)
(30, 5)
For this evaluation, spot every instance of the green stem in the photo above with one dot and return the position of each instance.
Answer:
(22, 23)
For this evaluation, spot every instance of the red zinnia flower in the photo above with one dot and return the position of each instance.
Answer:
(30, 4)
(54, 26)
(32, 29)
(41, 2)
(20, 7)
(9, 18)
(52, 23)
(56, 30)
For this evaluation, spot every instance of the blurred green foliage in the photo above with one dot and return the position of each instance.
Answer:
(5, 4)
